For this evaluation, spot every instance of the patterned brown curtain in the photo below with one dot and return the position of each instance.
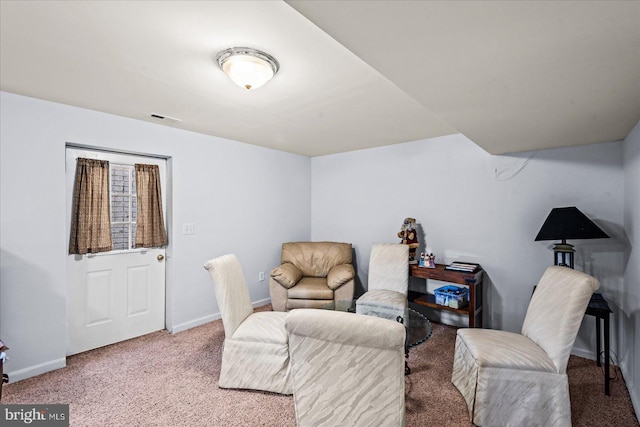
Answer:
(90, 218)
(150, 231)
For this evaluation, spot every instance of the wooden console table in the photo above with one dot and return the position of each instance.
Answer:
(472, 280)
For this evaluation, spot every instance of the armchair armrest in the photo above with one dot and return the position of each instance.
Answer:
(346, 328)
(339, 275)
(287, 275)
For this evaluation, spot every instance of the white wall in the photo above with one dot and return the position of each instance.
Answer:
(628, 321)
(248, 200)
(476, 207)
(242, 199)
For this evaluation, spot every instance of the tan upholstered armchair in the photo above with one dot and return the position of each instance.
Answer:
(313, 275)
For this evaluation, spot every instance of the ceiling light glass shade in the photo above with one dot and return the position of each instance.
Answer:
(247, 67)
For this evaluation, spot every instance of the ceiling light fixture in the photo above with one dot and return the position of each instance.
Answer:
(247, 67)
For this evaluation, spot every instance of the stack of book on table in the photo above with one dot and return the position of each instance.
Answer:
(463, 267)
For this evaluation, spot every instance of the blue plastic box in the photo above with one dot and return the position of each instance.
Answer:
(452, 296)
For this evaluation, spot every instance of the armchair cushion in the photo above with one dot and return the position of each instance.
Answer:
(383, 303)
(287, 275)
(311, 288)
(263, 327)
(383, 298)
(502, 349)
(339, 275)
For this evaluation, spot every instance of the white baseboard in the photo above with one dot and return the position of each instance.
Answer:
(41, 368)
(634, 393)
(626, 375)
(32, 371)
(635, 397)
(261, 302)
(582, 352)
(210, 318)
(195, 322)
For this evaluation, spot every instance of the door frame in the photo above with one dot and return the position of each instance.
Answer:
(168, 216)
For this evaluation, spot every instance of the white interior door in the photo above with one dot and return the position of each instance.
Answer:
(117, 295)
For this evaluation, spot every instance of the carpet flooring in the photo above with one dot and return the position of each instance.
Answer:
(164, 379)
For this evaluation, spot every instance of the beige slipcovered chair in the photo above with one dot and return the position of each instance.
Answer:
(510, 379)
(256, 345)
(386, 296)
(313, 275)
(347, 369)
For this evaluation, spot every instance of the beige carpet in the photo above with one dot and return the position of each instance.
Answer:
(171, 380)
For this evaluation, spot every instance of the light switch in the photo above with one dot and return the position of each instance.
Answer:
(188, 228)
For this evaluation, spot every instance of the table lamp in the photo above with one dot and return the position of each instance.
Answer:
(567, 223)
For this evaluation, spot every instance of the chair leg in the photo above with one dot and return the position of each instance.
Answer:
(407, 369)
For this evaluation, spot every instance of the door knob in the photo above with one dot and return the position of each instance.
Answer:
(160, 257)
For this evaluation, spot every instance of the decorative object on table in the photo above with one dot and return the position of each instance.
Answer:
(463, 267)
(452, 296)
(255, 354)
(568, 223)
(432, 261)
(493, 367)
(409, 237)
(427, 260)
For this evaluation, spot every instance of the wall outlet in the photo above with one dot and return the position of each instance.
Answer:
(261, 276)
(188, 228)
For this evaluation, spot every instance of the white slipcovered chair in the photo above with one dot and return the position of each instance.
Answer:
(386, 296)
(347, 369)
(510, 379)
(256, 346)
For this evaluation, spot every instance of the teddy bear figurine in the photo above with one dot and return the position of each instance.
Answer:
(409, 237)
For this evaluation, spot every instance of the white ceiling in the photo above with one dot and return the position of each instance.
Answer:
(512, 76)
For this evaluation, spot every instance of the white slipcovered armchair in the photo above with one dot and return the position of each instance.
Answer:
(347, 369)
(256, 346)
(386, 296)
(510, 379)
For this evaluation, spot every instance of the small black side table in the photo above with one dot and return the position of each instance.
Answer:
(599, 308)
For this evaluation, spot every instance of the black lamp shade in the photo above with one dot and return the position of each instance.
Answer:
(569, 223)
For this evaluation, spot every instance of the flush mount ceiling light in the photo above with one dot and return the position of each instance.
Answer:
(247, 67)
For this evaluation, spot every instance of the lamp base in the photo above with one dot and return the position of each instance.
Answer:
(563, 254)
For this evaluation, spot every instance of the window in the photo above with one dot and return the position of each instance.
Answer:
(123, 206)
